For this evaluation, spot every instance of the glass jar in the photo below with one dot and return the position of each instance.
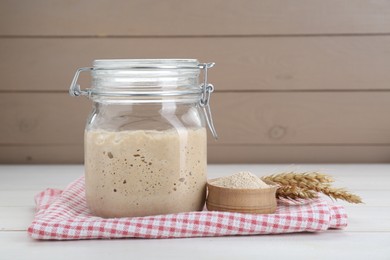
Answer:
(145, 141)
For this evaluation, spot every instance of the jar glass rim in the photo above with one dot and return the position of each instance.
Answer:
(131, 64)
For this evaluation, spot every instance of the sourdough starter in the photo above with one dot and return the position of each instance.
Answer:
(140, 173)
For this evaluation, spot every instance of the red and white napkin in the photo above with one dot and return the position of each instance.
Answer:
(63, 215)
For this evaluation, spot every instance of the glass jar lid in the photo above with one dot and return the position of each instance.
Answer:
(143, 77)
(146, 64)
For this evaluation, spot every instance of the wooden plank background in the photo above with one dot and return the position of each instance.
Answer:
(296, 81)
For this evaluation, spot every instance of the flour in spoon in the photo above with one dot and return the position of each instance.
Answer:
(241, 180)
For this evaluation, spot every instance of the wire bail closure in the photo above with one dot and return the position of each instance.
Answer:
(207, 89)
(76, 91)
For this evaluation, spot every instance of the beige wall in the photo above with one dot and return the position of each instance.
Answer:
(297, 81)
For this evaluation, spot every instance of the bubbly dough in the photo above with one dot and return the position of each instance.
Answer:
(141, 173)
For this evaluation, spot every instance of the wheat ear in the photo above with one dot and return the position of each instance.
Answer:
(303, 185)
(294, 192)
(340, 193)
(296, 179)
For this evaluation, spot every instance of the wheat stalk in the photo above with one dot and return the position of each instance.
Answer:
(304, 185)
(294, 192)
(292, 178)
(340, 193)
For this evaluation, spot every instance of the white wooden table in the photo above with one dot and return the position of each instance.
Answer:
(366, 237)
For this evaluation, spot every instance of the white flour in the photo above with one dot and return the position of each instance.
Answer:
(241, 180)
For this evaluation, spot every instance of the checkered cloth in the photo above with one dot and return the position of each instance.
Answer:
(63, 215)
